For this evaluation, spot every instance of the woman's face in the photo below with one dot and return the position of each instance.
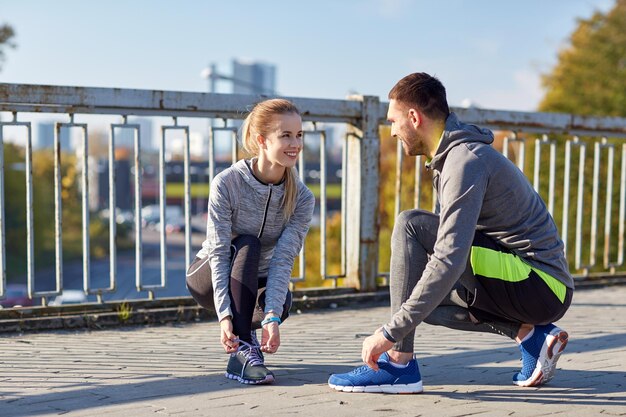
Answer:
(283, 142)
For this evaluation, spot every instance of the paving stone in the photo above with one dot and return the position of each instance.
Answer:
(177, 370)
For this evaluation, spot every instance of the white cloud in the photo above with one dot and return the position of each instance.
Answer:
(392, 8)
(523, 94)
(487, 47)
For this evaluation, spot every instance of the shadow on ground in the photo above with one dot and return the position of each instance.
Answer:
(91, 396)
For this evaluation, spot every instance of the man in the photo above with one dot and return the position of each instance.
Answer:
(491, 260)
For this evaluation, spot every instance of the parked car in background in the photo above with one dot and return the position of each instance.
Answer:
(16, 296)
(150, 215)
(122, 217)
(69, 297)
(174, 218)
(174, 222)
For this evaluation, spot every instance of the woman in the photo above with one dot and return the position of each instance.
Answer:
(259, 214)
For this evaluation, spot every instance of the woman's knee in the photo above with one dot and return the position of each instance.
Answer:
(251, 243)
(246, 256)
(259, 313)
(199, 284)
(287, 306)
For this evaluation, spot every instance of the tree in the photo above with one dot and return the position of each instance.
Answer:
(43, 212)
(6, 40)
(590, 79)
(590, 76)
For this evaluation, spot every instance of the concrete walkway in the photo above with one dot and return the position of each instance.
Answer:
(177, 370)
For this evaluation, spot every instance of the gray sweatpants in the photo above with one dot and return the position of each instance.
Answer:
(412, 242)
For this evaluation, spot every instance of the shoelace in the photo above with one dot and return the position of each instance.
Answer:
(360, 370)
(255, 341)
(251, 352)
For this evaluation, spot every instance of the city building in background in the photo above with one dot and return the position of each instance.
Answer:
(247, 77)
(253, 77)
(44, 139)
(125, 137)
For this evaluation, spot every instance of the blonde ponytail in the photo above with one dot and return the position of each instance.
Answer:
(291, 192)
(258, 122)
(249, 146)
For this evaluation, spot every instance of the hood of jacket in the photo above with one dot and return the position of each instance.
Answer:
(244, 168)
(456, 132)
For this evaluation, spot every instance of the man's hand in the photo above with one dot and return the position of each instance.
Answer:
(374, 346)
(228, 338)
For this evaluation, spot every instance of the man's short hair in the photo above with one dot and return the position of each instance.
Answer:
(423, 91)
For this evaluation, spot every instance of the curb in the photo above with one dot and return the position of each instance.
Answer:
(93, 316)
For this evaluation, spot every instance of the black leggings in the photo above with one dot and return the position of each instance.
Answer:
(246, 289)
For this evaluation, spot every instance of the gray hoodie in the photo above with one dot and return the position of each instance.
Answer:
(240, 204)
(479, 189)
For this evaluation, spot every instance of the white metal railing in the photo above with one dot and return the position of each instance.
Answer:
(360, 117)
(554, 134)
(23, 103)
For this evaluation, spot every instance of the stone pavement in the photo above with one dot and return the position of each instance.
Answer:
(177, 370)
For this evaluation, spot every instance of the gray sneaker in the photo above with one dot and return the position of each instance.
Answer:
(246, 366)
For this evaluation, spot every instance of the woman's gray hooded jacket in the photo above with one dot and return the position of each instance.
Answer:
(241, 204)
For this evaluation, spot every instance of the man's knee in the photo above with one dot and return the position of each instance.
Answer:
(415, 219)
(404, 217)
(449, 316)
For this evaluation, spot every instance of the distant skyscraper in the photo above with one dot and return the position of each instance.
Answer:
(175, 147)
(125, 137)
(252, 77)
(45, 137)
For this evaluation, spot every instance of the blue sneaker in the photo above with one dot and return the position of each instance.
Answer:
(388, 379)
(539, 355)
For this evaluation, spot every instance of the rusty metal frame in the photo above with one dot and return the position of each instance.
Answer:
(360, 155)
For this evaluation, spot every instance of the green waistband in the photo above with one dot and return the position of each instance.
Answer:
(510, 267)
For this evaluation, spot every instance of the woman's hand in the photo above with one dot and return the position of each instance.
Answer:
(270, 340)
(228, 339)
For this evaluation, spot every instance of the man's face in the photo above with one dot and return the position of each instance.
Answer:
(404, 127)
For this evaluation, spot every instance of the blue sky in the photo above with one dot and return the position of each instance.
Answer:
(487, 51)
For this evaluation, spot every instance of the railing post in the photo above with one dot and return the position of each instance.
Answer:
(362, 176)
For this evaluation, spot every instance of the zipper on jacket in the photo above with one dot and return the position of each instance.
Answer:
(267, 204)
